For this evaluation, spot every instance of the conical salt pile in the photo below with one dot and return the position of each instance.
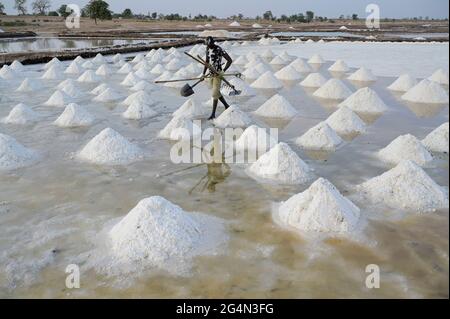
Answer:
(242, 60)
(7, 73)
(21, 114)
(345, 122)
(144, 74)
(282, 165)
(89, 77)
(117, 57)
(316, 59)
(159, 234)
(321, 208)
(174, 65)
(59, 98)
(278, 61)
(339, 66)
(108, 95)
(125, 69)
(74, 116)
(138, 111)
(13, 155)
(408, 187)
(190, 109)
(333, 89)
(52, 73)
(313, 80)
(288, 73)
(130, 80)
(255, 139)
(267, 54)
(29, 85)
(365, 100)
(110, 148)
(405, 147)
(262, 68)
(99, 89)
(79, 59)
(179, 127)
(141, 97)
(157, 69)
(233, 117)
(362, 75)
(254, 62)
(234, 24)
(267, 81)
(440, 76)
(74, 68)
(277, 107)
(53, 62)
(89, 65)
(68, 86)
(18, 66)
(319, 138)
(437, 140)
(251, 74)
(404, 83)
(99, 59)
(286, 57)
(138, 58)
(426, 91)
(142, 86)
(103, 70)
(301, 66)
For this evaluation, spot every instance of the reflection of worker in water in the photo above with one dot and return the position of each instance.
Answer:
(214, 55)
(217, 173)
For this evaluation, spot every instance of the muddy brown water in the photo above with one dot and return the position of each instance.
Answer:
(50, 213)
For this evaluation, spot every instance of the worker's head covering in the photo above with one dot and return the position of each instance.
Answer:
(209, 42)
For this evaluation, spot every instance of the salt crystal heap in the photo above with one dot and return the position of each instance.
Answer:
(365, 100)
(234, 24)
(179, 128)
(74, 68)
(333, 89)
(255, 139)
(278, 61)
(140, 97)
(13, 155)
(18, 66)
(7, 73)
(316, 59)
(281, 165)
(403, 83)
(110, 148)
(190, 109)
(53, 62)
(159, 234)
(233, 117)
(362, 75)
(99, 59)
(267, 81)
(29, 85)
(138, 58)
(314, 80)
(125, 69)
(52, 73)
(406, 186)
(59, 98)
(108, 95)
(103, 70)
(288, 73)
(277, 107)
(301, 66)
(89, 65)
(319, 138)
(426, 91)
(21, 114)
(437, 140)
(74, 116)
(440, 76)
(251, 74)
(142, 86)
(138, 111)
(89, 77)
(339, 66)
(321, 208)
(69, 87)
(130, 80)
(345, 122)
(99, 89)
(405, 147)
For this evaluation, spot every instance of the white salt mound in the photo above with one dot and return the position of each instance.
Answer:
(365, 100)
(74, 116)
(321, 208)
(405, 147)
(333, 89)
(142, 86)
(251, 74)
(159, 234)
(339, 66)
(99, 89)
(282, 165)
(29, 85)
(288, 73)
(314, 80)
(108, 95)
(110, 148)
(440, 76)
(319, 138)
(21, 114)
(404, 83)
(140, 97)
(138, 111)
(190, 109)
(233, 117)
(267, 81)
(316, 59)
(234, 24)
(17, 66)
(362, 75)
(277, 107)
(426, 91)
(59, 98)
(7, 73)
(179, 128)
(130, 80)
(103, 70)
(301, 66)
(74, 68)
(406, 186)
(437, 140)
(345, 122)
(255, 139)
(53, 73)
(278, 61)
(125, 69)
(13, 155)
(89, 77)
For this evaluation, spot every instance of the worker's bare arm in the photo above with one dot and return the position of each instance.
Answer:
(229, 61)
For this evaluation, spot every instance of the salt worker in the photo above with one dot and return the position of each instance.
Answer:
(214, 56)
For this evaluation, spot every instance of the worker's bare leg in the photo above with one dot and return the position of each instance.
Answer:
(224, 102)
(213, 114)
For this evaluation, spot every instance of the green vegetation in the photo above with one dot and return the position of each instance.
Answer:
(98, 10)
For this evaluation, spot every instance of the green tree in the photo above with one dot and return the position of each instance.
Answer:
(98, 9)
(127, 13)
(309, 16)
(21, 6)
(63, 11)
(154, 15)
(268, 15)
(354, 16)
(41, 6)
(2, 8)
(53, 14)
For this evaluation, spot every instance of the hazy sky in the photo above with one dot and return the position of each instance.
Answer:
(225, 8)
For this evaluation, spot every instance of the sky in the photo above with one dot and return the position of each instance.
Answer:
(251, 8)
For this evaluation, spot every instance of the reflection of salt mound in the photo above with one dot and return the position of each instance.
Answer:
(88, 77)
(321, 208)
(267, 81)
(333, 89)
(234, 24)
(255, 139)
(406, 186)
(319, 138)
(233, 117)
(282, 165)
(440, 76)
(159, 234)
(365, 100)
(74, 116)
(426, 91)
(403, 83)
(110, 148)
(301, 66)
(108, 95)
(339, 66)
(140, 97)
(13, 155)
(437, 141)
(179, 128)
(21, 114)
(362, 75)
(59, 98)
(190, 109)
(314, 80)
(53, 73)
(138, 111)
(345, 122)
(29, 85)
(405, 147)
(288, 73)
(215, 33)
(277, 107)
(316, 59)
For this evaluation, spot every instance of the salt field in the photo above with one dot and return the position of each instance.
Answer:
(358, 175)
